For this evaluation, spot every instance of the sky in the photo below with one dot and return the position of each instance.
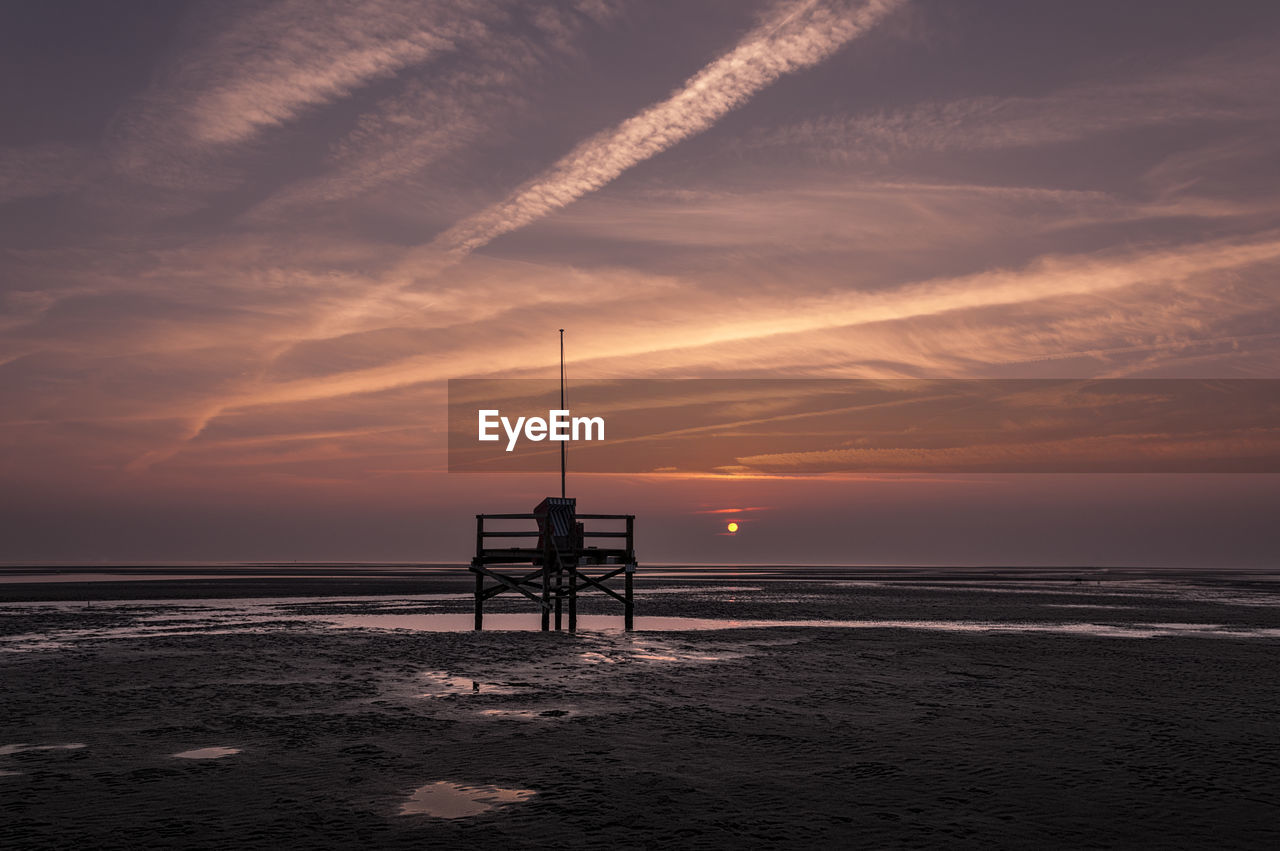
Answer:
(244, 245)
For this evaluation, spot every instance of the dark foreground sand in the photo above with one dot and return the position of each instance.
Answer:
(778, 737)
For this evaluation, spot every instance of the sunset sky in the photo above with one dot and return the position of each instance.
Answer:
(243, 245)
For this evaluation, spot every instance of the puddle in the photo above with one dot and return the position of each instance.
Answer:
(1040, 588)
(703, 590)
(507, 622)
(455, 800)
(443, 684)
(5, 750)
(606, 623)
(594, 657)
(534, 714)
(207, 753)
(531, 622)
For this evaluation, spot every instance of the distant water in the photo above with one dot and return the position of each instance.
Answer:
(1130, 609)
(298, 570)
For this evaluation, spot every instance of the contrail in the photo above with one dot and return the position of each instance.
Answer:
(803, 34)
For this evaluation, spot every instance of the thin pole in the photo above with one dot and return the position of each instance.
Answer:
(562, 443)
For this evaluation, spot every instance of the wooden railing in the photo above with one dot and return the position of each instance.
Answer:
(482, 533)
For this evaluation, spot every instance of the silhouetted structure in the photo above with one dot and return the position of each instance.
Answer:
(560, 554)
(561, 550)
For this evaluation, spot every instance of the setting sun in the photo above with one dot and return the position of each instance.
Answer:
(732, 527)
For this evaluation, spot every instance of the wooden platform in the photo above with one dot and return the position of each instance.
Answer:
(560, 564)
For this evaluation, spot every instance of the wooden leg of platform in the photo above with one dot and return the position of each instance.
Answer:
(546, 597)
(479, 601)
(573, 599)
(559, 596)
(628, 621)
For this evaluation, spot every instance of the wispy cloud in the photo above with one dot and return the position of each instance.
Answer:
(731, 510)
(192, 341)
(38, 170)
(153, 392)
(710, 334)
(434, 117)
(798, 36)
(1221, 87)
(1234, 450)
(269, 68)
(294, 55)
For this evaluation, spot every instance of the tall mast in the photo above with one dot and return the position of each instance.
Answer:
(562, 443)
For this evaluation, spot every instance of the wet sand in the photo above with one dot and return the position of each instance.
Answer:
(1145, 717)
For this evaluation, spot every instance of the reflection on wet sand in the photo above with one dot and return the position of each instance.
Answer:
(5, 750)
(207, 753)
(443, 684)
(455, 800)
(123, 620)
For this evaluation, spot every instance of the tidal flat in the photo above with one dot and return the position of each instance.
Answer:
(751, 708)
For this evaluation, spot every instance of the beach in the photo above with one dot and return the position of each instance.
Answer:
(908, 371)
(939, 708)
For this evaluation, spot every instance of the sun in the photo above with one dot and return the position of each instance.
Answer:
(732, 527)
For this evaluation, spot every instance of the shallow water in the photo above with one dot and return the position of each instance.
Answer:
(531, 622)
(207, 753)
(532, 714)
(1130, 609)
(455, 800)
(444, 684)
(5, 750)
(607, 623)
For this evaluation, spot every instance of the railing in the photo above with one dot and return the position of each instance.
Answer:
(482, 533)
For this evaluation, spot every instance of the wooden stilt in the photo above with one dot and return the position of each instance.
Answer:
(628, 611)
(479, 600)
(546, 596)
(573, 598)
(559, 593)
(628, 619)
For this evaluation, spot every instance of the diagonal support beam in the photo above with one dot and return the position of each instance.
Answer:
(602, 577)
(510, 583)
(527, 579)
(598, 582)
